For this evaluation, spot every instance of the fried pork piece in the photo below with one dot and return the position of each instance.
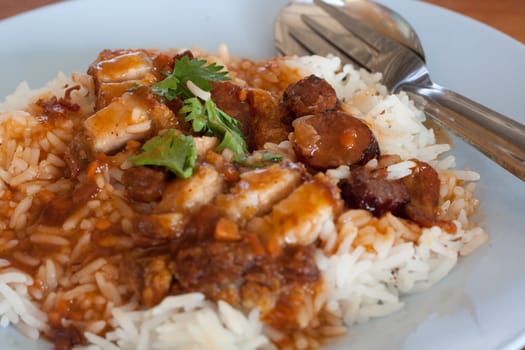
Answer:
(258, 190)
(243, 272)
(132, 116)
(267, 118)
(205, 144)
(121, 65)
(311, 95)
(148, 274)
(114, 72)
(180, 199)
(240, 271)
(258, 111)
(301, 217)
(232, 99)
(217, 267)
(144, 184)
(154, 229)
(157, 280)
(66, 337)
(189, 195)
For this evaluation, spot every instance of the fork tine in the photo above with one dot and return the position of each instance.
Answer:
(317, 46)
(358, 28)
(290, 45)
(346, 43)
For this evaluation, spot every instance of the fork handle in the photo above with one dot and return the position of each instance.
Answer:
(500, 138)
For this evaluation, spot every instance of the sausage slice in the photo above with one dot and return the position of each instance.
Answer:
(310, 95)
(330, 139)
(423, 187)
(370, 189)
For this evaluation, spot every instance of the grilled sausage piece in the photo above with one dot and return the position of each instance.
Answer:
(330, 139)
(310, 95)
(415, 196)
(144, 184)
(423, 187)
(371, 190)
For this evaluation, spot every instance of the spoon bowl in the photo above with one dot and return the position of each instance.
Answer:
(331, 27)
(381, 18)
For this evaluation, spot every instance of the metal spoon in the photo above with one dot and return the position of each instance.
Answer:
(500, 138)
(381, 18)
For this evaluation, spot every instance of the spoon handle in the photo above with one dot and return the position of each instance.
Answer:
(498, 137)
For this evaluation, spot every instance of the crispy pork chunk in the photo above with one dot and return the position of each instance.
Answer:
(144, 184)
(115, 72)
(155, 228)
(267, 118)
(180, 199)
(132, 116)
(121, 65)
(258, 111)
(205, 144)
(302, 216)
(258, 190)
(189, 195)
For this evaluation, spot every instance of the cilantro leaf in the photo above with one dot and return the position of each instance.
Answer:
(226, 128)
(185, 70)
(213, 121)
(168, 88)
(265, 158)
(174, 152)
(204, 117)
(270, 157)
(195, 114)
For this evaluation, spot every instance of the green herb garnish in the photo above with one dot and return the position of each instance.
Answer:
(266, 158)
(270, 157)
(175, 152)
(195, 113)
(185, 70)
(133, 87)
(213, 121)
(204, 117)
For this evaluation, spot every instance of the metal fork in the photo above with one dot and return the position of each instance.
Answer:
(500, 138)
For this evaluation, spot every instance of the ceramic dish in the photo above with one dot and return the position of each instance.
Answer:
(481, 304)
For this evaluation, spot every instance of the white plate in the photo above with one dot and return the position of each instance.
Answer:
(481, 304)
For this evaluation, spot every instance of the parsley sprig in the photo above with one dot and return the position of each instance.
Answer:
(213, 121)
(185, 70)
(176, 152)
(261, 160)
(205, 116)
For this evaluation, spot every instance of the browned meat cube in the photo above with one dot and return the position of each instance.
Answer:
(303, 215)
(258, 190)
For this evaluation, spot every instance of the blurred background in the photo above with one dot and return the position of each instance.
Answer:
(507, 16)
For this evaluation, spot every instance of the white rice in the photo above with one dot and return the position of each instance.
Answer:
(16, 306)
(360, 284)
(185, 321)
(396, 122)
(361, 280)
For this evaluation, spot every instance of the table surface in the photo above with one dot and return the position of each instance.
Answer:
(507, 16)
